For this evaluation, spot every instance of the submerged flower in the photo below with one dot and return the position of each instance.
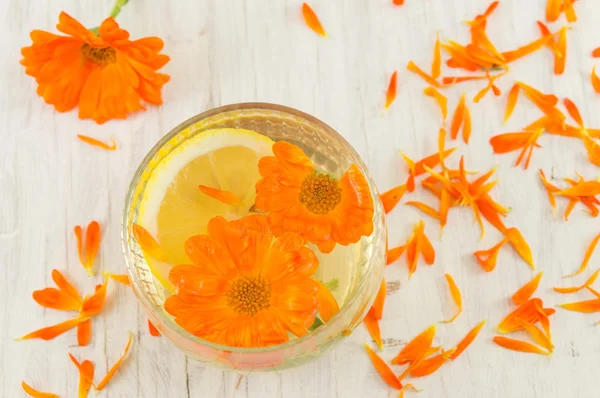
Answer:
(245, 287)
(105, 74)
(318, 206)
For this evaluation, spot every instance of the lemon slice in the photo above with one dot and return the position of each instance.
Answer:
(173, 208)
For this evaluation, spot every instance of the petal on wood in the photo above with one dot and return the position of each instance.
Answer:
(383, 369)
(35, 393)
(390, 198)
(520, 245)
(525, 292)
(115, 367)
(379, 301)
(416, 347)
(456, 296)
(518, 345)
(588, 255)
(312, 21)
(372, 325)
(587, 306)
(467, 340)
(50, 332)
(390, 94)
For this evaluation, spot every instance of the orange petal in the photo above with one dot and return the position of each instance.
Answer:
(487, 258)
(79, 236)
(513, 96)
(35, 393)
(50, 332)
(390, 95)
(147, 242)
(526, 313)
(383, 369)
(417, 362)
(586, 188)
(398, 2)
(153, 330)
(94, 304)
(457, 118)
(467, 340)
(311, 20)
(431, 161)
(491, 211)
(525, 292)
(64, 285)
(390, 198)
(588, 254)
(520, 245)
(379, 301)
(56, 299)
(123, 279)
(92, 244)
(372, 325)
(427, 249)
(226, 197)
(588, 306)
(84, 332)
(436, 64)
(430, 365)
(441, 100)
(86, 375)
(467, 125)
(552, 10)
(596, 52)
(425, 209)
(99, 144)
(327, 305)
(509, 142)
(560, 56)
(450, 80)
(527, 49)
(456, 296)
(539, 337)
(570, 11)
(394, 254)
(595, 80)
(406, 387)
(593, 150)
(588, 283)
(416, 347)
(518, 345)
(550, 189)
(115, 367)
(573, 111)
(594, 292)
(414, 68)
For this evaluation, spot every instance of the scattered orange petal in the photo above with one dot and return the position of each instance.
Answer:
(588, 306)
(525, 292)
(575, 289)
(586, 188)
(424, 208)
(406, 387)
(416, 347)
(526, 313)
(226, 197)
(513, 96)
(414, 68)
(450, 80)
(593, 150)
(390, 198)
(569, 11)
(436, 64)
(115, 367)
(147, 242)
(87, 254)
(35, 393)
(311, 20)
(527, 49)
(390, 95)
(518, 345)
(560, 56)
(56, 299)
(467, 125)
(552, 10)
(379, 301)
(84, 332)
(398, 2)
(153, 330)
(487, 258)
(97, 143)
(86, 377)
(458, 118)
(383, 369)
(550, 189)
(596, 52)
(123, 279)
(417, 362)
(50, 332)
(94, 304)
(539, 337)
(520, 245)
(394, 254)
(467, 340)
(372, 325)
(441, 100)
(573, 111)
(64, 285)
(327, 305)
(456, 296)
(595, 80)
(430, 365)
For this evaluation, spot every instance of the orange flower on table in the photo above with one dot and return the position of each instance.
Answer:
(323, 209)
(105, 74)
(245, 287)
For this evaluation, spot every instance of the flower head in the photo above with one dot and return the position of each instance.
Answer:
(322, 208)
(245, 287)
(105, 74)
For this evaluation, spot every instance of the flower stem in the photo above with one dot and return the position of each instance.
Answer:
(116, 9)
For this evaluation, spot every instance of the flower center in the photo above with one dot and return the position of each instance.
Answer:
(99, 56)
(249, 295)
(320, 193)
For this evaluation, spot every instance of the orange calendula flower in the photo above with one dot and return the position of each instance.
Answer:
(379, 300)
(111, 372)
(226, 197)
(245, 287)
(383, 369)
(456, 297)
(390, 198)
(93, 237)
(525, 292)
(467, 340)
(416, 347)
(372, 325)
(518, 345)
(105, 74)
(323, 209)
(390, 94)
(312, 21)
(588, 255)
(35, 393)
(94, 142)
(152, 329)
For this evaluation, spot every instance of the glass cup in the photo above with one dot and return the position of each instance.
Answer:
(329, 151)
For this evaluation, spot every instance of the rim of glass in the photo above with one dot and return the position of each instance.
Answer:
(328, 327)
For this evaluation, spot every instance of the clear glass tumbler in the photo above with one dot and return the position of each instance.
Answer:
(328, 151)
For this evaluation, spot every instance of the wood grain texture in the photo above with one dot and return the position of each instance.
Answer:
(233, 51)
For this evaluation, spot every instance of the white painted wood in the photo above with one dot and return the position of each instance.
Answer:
(231, 51)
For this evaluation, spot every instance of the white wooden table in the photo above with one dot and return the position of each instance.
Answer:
(233, 51)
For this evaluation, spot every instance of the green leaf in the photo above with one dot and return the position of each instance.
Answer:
(332, 284)
(318, 322)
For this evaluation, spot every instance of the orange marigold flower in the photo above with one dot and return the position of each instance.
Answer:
(245, 287)
(105, 74)
(318, 206)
